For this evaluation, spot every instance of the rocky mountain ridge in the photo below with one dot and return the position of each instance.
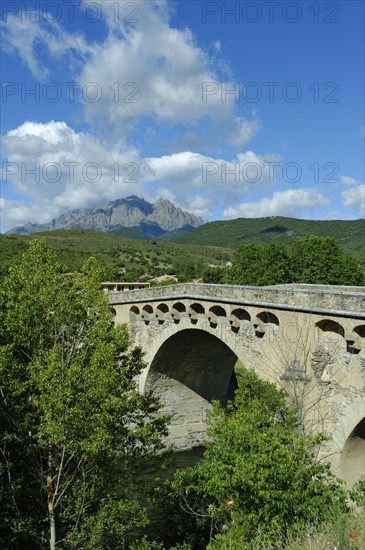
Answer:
(134, 212)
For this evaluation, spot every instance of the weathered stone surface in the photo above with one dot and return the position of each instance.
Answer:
(308, 340)
(341, 301)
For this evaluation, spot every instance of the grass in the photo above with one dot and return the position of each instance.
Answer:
(335, 535)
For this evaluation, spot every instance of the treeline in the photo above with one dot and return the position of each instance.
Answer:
(310, 260)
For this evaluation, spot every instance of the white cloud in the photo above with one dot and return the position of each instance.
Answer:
(354, 198)
(283, 203)
(14, 213)
(162, 68)
(146, 69)
(53, 164)
(201, 206)
(189, 172)
(245, 131)
(349, 181)
(22, 35)
(61, 169)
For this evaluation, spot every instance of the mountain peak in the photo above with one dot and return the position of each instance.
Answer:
(132, 211)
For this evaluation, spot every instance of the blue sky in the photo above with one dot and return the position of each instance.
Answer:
(229, 109)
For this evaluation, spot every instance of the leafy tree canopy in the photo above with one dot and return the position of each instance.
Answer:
(311, 260)
(320, 260)
(72, 421)
(213, 275)
(259, 265)
(258, 478)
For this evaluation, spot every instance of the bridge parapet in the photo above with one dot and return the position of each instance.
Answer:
(311, 298)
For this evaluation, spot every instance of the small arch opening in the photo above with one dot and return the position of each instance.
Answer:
(197, 308)
(147, 312)
(360, 330)
(268, 317)
(241, 314)
(178, 310)
(218, 311)
(194, 311)
(179, 307)
(134, 312)
(328, 325)
(161, 312)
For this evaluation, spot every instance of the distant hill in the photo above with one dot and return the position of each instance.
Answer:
(350, 234)
(133, 213)
(115, 253)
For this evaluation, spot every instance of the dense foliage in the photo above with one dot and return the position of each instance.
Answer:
(72, 421)
(121, 258)
(311, 260)
(349, 234)
(259, 265)
(258, 480)
(317, 260)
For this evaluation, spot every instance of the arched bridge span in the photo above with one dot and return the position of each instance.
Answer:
(308, 339)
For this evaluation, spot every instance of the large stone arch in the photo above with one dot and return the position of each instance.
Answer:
(308, 339)
(348, 443)
(251, 351)
(190, 370)
(353, 455)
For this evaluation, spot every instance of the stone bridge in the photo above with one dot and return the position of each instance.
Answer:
(308, 339)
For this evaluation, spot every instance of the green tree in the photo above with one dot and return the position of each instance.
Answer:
(133, 273)
(320, 260)
(187, 269)
(311, 260)
(72, 421)
(213, 275)
(259, 265)
(258, 476)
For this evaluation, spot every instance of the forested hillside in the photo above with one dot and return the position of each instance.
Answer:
(348, 233)
(265, 262)
(122, 258)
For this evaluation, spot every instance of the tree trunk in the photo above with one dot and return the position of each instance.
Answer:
(52, 525)
(51, 515)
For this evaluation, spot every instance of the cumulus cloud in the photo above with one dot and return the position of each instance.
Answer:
(188, 173)
(143, 68)
(155, 70)
(346, 180)
(60, 169)
(14, 213)
(354, 198)
(289, 203)
(55, 165)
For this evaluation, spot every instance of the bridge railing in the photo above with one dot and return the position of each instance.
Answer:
(309, 297)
